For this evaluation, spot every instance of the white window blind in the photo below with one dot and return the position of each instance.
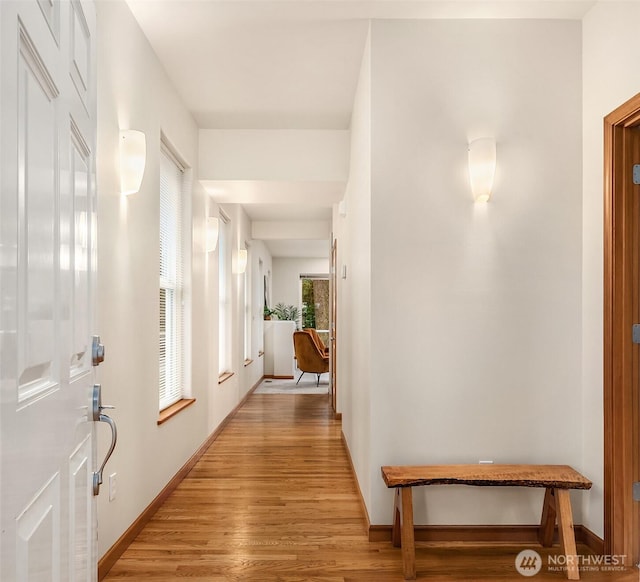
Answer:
(247, 306)
(224, 296)
(171, 304)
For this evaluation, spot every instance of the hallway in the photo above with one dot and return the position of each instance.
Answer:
(274, 499)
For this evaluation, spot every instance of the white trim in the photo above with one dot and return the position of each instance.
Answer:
(322, 277)
(167, 148)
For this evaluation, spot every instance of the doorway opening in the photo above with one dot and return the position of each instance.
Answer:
(314, 296)
(318, 299)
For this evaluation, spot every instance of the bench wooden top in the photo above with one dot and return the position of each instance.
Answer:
(552, 476)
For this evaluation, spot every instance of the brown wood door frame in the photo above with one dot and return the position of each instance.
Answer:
(621, 311)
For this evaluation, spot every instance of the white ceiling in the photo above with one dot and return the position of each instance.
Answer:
(277, 212)
(265, 64)
(289, 64)
(296, 249)
(286, 193)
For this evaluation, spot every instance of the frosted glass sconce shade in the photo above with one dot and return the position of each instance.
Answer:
(213, 226)
(241, 261)
(482, 167)
(133, 156)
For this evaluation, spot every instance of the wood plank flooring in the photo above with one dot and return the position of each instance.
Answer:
(273, 499)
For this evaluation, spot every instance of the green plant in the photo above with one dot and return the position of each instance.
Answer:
(308, 304)
(308, 315)
(287, 312)
(267, 312)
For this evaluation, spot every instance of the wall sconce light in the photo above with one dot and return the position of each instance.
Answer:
(133, 155)
(482, 167)
(241, 261)
(213, 227)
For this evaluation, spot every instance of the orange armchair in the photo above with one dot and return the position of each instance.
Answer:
(308, 355)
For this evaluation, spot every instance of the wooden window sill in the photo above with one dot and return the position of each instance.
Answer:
(224, 377)
(247, 362)
(172, 410)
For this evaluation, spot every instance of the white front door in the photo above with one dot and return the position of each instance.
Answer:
(47, 272)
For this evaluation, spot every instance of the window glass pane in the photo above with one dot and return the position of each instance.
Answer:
(171, 310)
(224, 295)
(247, 307)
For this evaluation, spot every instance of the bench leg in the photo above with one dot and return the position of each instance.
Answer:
(408, 540)
(402, 532)
(396, 537)
(567, 535)
(548, 521)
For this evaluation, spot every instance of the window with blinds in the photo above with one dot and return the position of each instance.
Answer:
(171, 290)
(247, 306)
(224, 296)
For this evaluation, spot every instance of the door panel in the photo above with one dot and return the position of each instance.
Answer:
(47, 273)
(78, 245)
(51, 12)
(80, 512)
(38, 539)
(36, 167)
(80, 52)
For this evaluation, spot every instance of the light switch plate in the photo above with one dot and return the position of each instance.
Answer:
(112, 486)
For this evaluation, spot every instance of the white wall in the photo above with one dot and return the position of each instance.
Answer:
(225, 396)
(147, 455)
(258, 252)
(476, 311)
(297, 155)
(133, 92)
(286, 278)
(353, 234)
(611, 52)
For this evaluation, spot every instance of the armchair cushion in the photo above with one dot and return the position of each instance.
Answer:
(308, 355)
(316, 338)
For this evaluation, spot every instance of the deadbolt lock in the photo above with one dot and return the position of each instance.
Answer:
(97, 351)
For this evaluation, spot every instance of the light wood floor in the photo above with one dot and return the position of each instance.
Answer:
(274, 499)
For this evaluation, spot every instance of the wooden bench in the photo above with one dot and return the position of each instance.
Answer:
(556, 479)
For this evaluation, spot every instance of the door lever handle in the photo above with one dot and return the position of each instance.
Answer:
(97, 476)
(98, 416)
